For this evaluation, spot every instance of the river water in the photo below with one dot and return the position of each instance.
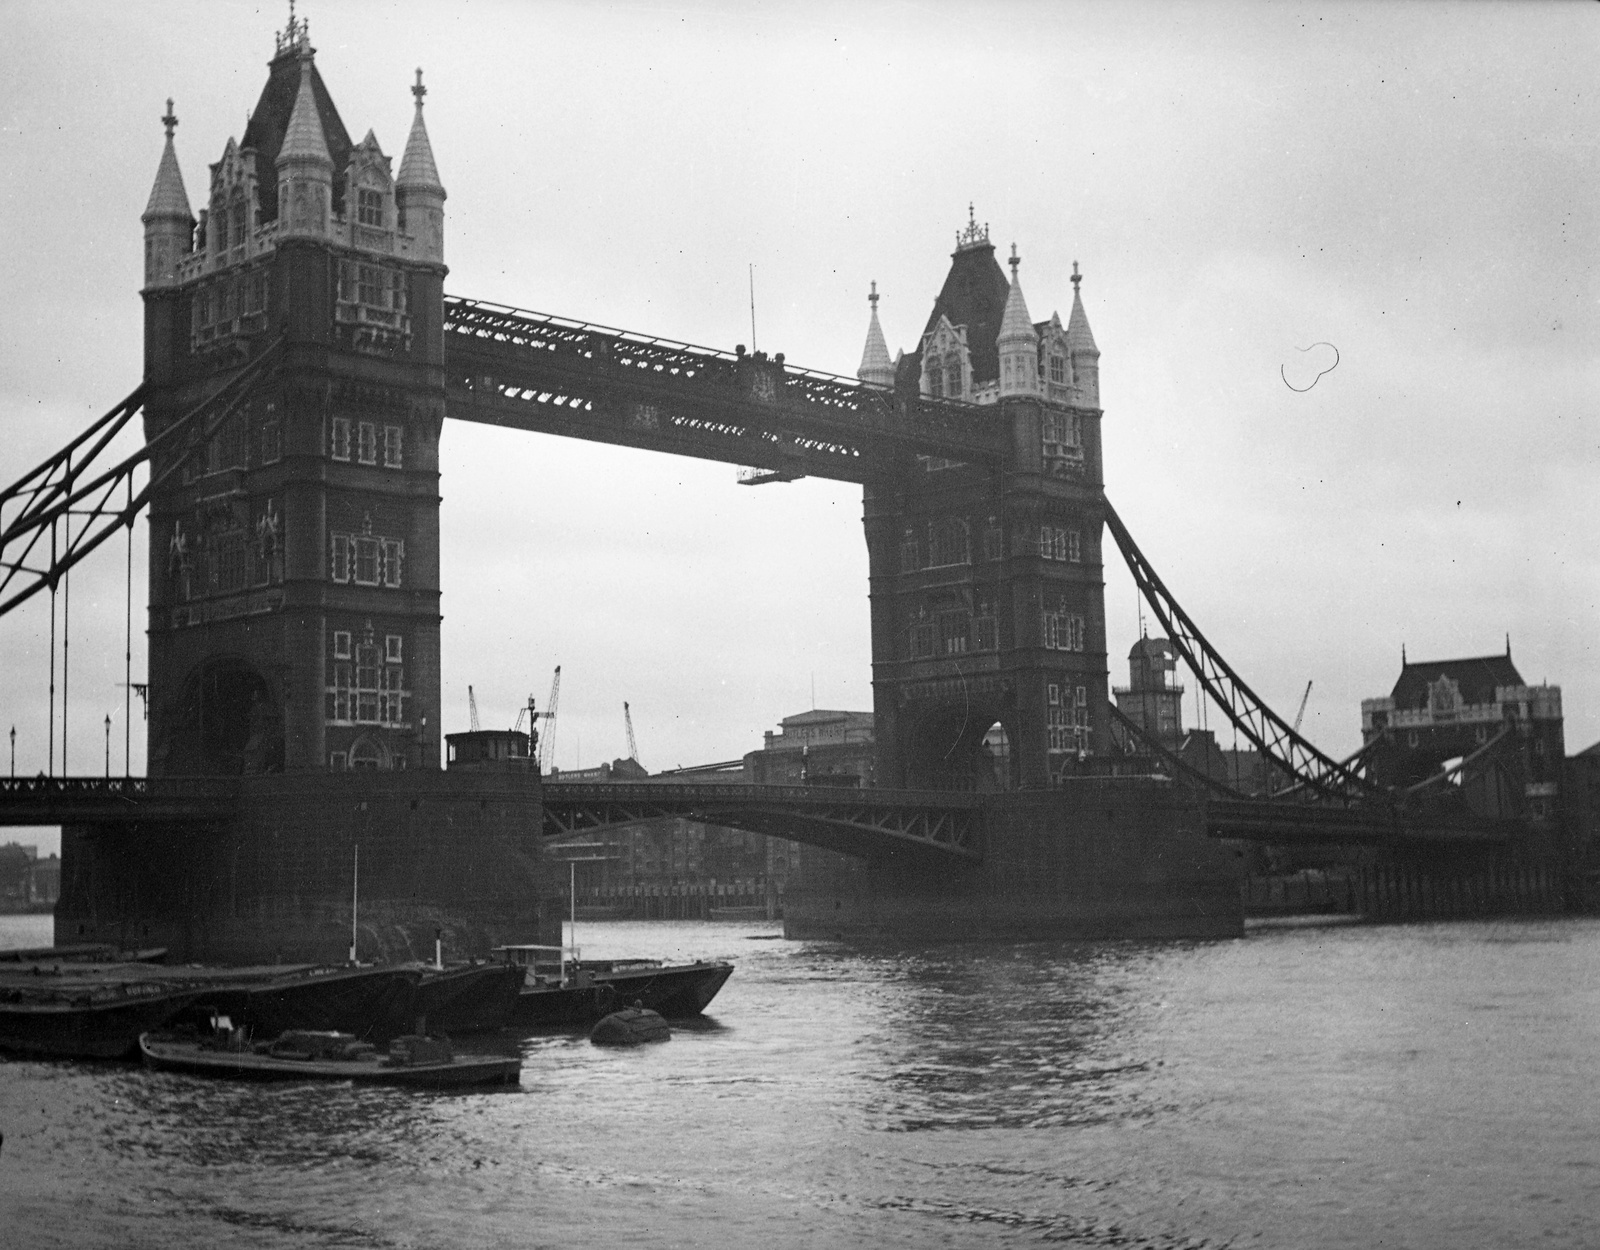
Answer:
(1406, 1086)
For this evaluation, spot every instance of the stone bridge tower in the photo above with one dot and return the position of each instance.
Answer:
(294, 555)
(988, 603)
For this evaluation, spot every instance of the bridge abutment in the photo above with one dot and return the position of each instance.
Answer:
(1096, 858)
(449, 850)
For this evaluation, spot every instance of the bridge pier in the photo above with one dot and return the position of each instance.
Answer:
(452, 850)
(1097, 858)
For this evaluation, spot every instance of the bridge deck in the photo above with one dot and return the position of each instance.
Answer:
(115, 800)
(1374, 824)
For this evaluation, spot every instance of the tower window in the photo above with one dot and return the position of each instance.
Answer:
(236, 218)
(367, 442)
(341, 644)
(922, 636)
(953, 377)
(951, 543)
(954, 633)
(340, 448)
(366, 562)
(984, 635)
(341, 559)
(392, 436)
(910, 551)
(367, 677)
(1058, 370)
(391, 648)
(936, 382)
(994, 540)
(393, 553)
(369, 210)
(1074, 547)
(271, 442)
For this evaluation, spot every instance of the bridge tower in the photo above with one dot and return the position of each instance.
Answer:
(294, 559)
(988, 603)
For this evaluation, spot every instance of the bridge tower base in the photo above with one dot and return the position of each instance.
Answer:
(452, 851)
(1097, 858)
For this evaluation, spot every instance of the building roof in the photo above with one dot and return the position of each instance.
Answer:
(167, 196)
(974, 295)
(821, 716)
(270, 122)
(417, 169)
(1477, 677)
(1148, 646)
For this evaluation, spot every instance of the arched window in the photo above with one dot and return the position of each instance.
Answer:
(366, 754)
(935, 381)
(953, 374)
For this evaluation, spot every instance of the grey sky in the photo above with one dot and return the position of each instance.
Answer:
(1413, 183)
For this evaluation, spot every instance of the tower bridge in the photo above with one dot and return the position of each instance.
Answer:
(301, 358)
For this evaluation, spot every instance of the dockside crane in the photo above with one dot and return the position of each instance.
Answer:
(547, 740)
(633, 747)
(1302, 710)
(472, 708)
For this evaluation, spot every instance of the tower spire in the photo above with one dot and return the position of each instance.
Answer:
(1018, 341)
(168, 223)
(876, 367)
(418, 192)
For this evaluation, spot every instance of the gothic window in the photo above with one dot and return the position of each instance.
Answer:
(231, 563)
(340, 450)
(341, 644)
(393, 553)
(392, 435)
(341, 558)
(366, 562)
(1056, 543)
(366, 756)
(954, 633)
(1058, 722)
(1062, 434)
(1074, 547)
(336, 761)
(1061, 630)
(367, 678)
(910, 551)
(340, 706)
(984, 635)
(236, 220)
(1058, 370)
(935, 381)
(994, 540)
(367, 442)
(950, 543)
(922, 636)
(392, 648)
(392, 698)
(953, 377)
(271, 441)
(370, 207)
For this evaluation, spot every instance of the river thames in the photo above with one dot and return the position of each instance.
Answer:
(1340, 1086)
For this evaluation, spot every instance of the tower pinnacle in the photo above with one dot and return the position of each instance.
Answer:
(170, 121)
(876, 367)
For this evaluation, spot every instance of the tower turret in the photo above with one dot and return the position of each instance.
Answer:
(305, 169)
(1018, 342)
(168, 223)
(876, 367)
(1080, 342)
(418, 192)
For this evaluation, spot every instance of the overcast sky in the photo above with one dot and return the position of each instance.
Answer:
(1415, 184)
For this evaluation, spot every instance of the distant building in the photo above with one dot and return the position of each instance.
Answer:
(1441, 711)
(818, 748)
(1153, 699)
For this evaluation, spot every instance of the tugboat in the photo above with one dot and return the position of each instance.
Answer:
(560, 992)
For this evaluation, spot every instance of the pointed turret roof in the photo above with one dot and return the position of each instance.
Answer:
(167, 196)
(303, 138)
(269, 123)
(417, 170)
(1014, 322)
(876, 367)
(1079, 337)
(974, 295)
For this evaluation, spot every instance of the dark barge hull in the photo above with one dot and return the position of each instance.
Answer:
(675, 992)
(107, 1029)
(375, 1004)
(469, 1000)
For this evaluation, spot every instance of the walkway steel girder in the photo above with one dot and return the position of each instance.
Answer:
(1274, 737)
(531, 371)
(854, 822)
(1380, 824)
(116, 800)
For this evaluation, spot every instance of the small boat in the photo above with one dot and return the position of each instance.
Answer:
(84, 1021)
(325, 1055)
(568, 993)
(632, 1026)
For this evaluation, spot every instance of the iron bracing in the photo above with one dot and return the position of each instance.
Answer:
(60, 511)
(528, 370)
(1318, 774)
(115, 800)
(855, 822)
(1137, 740)
(1373, 824)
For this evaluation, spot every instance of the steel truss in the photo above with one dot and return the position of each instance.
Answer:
(1316, 774)
(858, 822)
(60, 511)
(533, 371)
(1183, 771)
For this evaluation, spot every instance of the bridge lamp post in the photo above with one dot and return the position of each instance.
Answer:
(13, 750)
(108, 746)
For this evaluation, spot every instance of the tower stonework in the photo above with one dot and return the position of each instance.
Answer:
(987, 588)
(294, 556)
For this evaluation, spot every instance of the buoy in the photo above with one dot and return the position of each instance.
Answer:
(632, 1026)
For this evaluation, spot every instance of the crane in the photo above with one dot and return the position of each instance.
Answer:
(547, 754)
(1302, 710)
(472, 708)
(633, 747)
